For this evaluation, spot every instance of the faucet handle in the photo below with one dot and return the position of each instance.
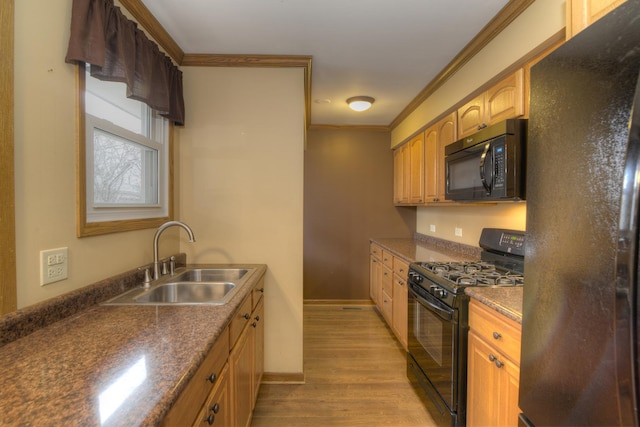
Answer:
(164, 267)
(172, 265)
(147, 276)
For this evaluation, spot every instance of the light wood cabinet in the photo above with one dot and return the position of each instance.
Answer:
(493, 368)
(582, 13)
(375, 273)
(409, 171)
(400, 300)
(504, 100)
(388, 289)
(437, 136)
(186, 410)
(217, 409)
(400, 186)
(387, 294)
(246, 358)
(224, 389)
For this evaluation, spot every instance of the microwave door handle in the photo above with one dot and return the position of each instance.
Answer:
(483, 159)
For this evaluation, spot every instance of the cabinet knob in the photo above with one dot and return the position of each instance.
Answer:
(497, 335)
(215, 408)
(492, 358)
(261, 290)
(210, 419)
(499, 364)
(257, 318)
(254, 324)
(247, 316)
(212, 378)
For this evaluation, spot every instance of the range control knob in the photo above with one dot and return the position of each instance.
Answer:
(437, 291)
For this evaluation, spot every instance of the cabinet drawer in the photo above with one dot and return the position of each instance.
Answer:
(496, 329)
(400, 267)
(387, 280)
(375, 250)
(257, 292)
(199, 387)
(217, 409)
(387, 259)
(240, 320)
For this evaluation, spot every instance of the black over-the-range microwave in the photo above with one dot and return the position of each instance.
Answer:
(488, 165)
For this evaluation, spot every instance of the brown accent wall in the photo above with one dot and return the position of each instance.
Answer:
(348, 190)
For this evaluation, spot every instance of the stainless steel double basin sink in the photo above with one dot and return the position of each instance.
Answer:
(190, 286)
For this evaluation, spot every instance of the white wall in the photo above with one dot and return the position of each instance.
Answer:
(539, 22)
(45, 171)
(241, 183)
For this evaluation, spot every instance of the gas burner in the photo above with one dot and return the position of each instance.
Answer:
(459, 274)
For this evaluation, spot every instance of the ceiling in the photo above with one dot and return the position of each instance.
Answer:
(387, 49)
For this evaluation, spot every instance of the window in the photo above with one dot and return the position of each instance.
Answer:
(124, 168)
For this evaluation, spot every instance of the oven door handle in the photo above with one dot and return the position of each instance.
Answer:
(439, 311)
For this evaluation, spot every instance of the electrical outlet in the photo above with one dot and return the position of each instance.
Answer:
(458, 232)
(53, 265)
(432, 228)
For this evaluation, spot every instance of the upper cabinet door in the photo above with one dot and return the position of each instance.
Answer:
(471, 116)
(416, 170)
(582, 13)
(504, 100)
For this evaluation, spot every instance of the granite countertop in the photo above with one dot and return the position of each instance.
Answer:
(426, 248)
(506, 300)
(111, 365)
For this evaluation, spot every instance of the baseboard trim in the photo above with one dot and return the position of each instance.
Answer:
(338, 302)
(283, 378)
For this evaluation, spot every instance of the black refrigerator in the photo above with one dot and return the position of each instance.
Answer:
(579, 362)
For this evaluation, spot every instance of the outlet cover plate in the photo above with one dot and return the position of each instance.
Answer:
(53, 265)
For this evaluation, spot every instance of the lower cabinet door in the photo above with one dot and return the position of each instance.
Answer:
(241, 360)
(217, 409)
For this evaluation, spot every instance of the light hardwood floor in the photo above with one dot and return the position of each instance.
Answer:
(354, 376)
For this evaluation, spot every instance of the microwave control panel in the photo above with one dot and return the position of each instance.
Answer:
(499, 159)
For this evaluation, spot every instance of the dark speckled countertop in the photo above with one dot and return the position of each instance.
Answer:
(505, 300)
(427, 248)
(110, 365)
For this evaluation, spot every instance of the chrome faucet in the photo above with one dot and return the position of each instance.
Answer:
(156, 262)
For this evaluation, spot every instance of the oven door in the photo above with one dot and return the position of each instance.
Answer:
(433, 341)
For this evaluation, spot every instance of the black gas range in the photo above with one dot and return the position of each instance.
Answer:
(438, 319)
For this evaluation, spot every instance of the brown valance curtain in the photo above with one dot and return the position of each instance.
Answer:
(119, 51)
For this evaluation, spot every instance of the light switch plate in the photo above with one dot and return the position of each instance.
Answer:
(53, 265)
(458, 231)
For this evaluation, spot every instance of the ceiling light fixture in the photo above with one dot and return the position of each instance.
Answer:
(360, 103)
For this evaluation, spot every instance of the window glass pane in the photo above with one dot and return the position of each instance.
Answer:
(124, 171)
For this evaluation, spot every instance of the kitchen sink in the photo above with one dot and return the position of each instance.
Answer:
(191, 286)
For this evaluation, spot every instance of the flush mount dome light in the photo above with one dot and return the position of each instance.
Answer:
(360, 103)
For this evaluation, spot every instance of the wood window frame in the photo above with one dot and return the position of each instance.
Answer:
(84, 228)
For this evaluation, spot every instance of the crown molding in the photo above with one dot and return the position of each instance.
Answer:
(508, 14)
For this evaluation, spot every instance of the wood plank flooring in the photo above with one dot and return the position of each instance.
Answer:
(354, 376)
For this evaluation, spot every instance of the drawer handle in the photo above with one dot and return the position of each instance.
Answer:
(254, 324)
(215, 408)
(261, 290)
(495, 360)
(247, 316)
(496, 335)
(211, 419)
(212, 378)
(257, 318)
